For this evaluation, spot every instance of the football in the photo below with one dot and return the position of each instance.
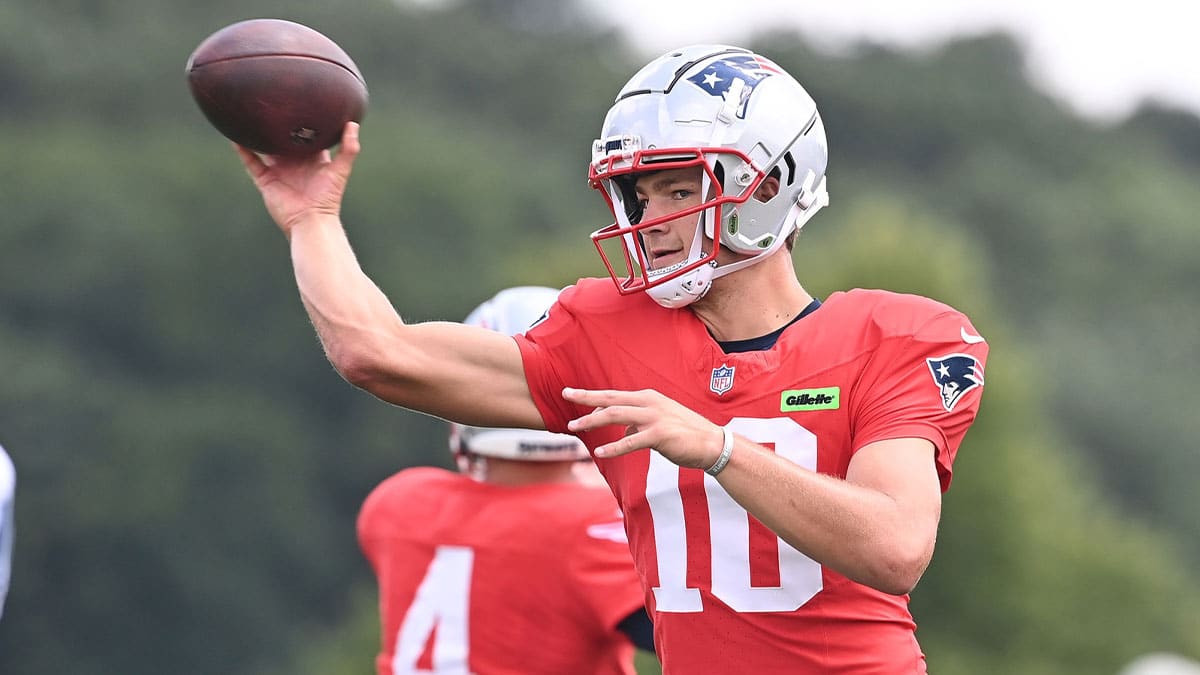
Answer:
(276, 87)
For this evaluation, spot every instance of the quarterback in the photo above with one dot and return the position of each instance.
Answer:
(779, 459)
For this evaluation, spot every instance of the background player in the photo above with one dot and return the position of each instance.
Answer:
(8, 484)
(512, 565)
(779, 461)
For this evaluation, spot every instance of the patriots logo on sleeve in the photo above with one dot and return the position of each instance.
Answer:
(719, 76)
(955, 375)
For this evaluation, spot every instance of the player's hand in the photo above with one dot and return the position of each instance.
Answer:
(651, 420)
(300, 189)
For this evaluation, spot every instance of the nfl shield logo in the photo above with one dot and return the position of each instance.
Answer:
(722, 379)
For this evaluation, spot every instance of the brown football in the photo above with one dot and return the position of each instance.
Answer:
(276, 87)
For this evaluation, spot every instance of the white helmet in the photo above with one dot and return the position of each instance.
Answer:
(741, 118)
(512, 311)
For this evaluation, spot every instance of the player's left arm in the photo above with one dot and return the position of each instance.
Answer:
(877, 526)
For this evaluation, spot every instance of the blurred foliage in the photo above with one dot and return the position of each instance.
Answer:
(190, 466)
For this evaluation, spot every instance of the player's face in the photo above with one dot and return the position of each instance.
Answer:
(662, 193)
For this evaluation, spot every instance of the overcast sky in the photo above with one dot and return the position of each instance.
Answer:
(1102, 57)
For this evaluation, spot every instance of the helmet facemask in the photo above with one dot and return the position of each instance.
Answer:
(688, 279)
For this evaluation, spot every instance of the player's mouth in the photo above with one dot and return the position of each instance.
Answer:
(664, 257)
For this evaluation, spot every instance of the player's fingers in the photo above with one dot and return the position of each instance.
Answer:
(632, 442)
(604, 416)
(253, 163)
(598, 397)
(350, 145)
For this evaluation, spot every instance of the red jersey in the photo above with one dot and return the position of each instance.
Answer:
(726, 595)
(486, 579)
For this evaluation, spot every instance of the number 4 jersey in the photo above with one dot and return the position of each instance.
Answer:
(726, 595)
(493, 580)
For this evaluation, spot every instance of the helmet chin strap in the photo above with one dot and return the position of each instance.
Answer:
(687, 288)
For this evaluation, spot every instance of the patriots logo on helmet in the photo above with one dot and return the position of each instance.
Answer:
(719, 76)
(955, 375)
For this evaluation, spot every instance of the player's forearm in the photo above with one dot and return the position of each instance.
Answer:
(465, 373)
(859, 532)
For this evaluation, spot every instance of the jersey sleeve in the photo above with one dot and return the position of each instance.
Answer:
(547, 355)
(924, 383)
(601, 566)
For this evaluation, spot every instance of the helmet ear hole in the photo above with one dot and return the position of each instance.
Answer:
(791, 168)
(769, 188)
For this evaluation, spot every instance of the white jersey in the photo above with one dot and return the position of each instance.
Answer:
(8, 483)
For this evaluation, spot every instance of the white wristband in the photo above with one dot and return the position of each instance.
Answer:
(726, 453)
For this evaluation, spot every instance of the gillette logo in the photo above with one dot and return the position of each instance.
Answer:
(795, 400)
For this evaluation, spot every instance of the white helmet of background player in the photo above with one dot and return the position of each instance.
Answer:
(8, 482)
(513, 311)
(738, 116)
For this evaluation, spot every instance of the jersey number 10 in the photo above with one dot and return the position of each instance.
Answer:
(729, 532)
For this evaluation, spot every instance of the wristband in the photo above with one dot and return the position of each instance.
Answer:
(726, 453)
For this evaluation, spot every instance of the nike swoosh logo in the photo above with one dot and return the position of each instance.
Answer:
(968, 338)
